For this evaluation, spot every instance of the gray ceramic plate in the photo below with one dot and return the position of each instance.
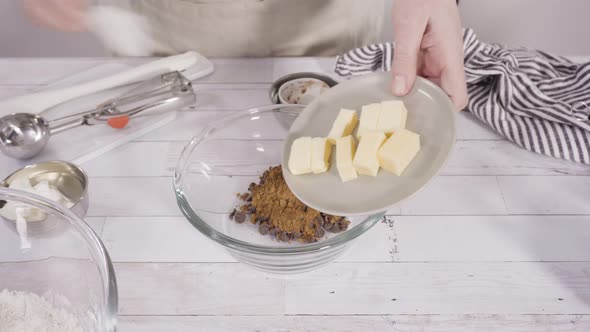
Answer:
(430, 114)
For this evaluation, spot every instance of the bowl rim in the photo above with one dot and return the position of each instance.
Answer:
(5, 182)
(96, 247)
(240, 245)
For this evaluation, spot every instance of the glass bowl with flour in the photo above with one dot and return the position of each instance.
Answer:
(59, 281)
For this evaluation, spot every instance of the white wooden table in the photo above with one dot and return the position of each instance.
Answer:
(500, 241)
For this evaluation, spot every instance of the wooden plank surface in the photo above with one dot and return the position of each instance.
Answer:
(497, 242)
(356, 288)
(359, 323)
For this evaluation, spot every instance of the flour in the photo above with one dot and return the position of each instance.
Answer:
(24, 311)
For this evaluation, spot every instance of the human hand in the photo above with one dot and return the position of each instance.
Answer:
(64, 15)
(429, 43)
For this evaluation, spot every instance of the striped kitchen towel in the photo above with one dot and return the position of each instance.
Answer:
(539, 101)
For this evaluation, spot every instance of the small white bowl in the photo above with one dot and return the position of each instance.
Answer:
(301, 91)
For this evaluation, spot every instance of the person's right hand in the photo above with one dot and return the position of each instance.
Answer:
(429, 43)
(64, 15)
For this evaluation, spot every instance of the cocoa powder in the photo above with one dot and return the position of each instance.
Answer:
(272, 206)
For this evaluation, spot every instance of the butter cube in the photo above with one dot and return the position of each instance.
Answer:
(344, 125)
(321, 150)
(345, 150)
(392, 117)
(300, 156)
(399, 150)
(365, 160)
(369, 119)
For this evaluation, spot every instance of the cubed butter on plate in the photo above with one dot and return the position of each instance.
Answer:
(365, 160)
(300, 156)
(344, 125)
(345, 150)
(321, 150)
(369, 119)
(399, 151)
(392, 117)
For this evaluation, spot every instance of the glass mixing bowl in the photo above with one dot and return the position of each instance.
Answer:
(220, 162)
(67, 265)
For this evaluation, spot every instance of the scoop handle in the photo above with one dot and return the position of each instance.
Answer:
(37, 102)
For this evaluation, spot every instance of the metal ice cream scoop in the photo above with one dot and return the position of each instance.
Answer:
(24, 135)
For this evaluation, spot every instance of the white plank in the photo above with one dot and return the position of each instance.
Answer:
(154, 196)
(47, 70)
(442, 288)
(406, 239)
(355, 288)
(185, 126)
(505, 158)
(174, 239)
(11, 91)
(40, 71)
(113, 197)
(357, 323)
(251, 70)
(457, 195)
(238, 153)
(546, 194)
(492, 238)
(229, 289)
(231, 97)
(166, 239)
(289, 65)
(96, 223)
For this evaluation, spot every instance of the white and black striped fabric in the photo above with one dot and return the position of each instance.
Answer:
(539, 101)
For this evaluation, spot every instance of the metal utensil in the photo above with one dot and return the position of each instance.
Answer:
(68, 178)
(24, 135)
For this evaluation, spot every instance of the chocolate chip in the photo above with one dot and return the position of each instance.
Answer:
(264, 229)
(273, 232)
(319, 221)
(284, 237)
(328, 226)
(232, 214)
(249, 198)
(305, 209)
(311, 224)
(340, 226)
(320, 233)
(240, 217)
(251, 186)
(251, 209)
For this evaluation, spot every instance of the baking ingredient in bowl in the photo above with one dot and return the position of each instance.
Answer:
(344, 125)
(309, 155)
(321, 150)
(392, 117)
(365, 160)
(378, 121)
(276, 211)
(369, 119)
(28, 213)
(25, 311)
(399, 151)
(300, 156)
(345, 150)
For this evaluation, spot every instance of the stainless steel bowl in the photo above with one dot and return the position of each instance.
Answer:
(68, 178)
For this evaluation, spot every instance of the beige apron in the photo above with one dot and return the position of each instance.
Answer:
(232, 28)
